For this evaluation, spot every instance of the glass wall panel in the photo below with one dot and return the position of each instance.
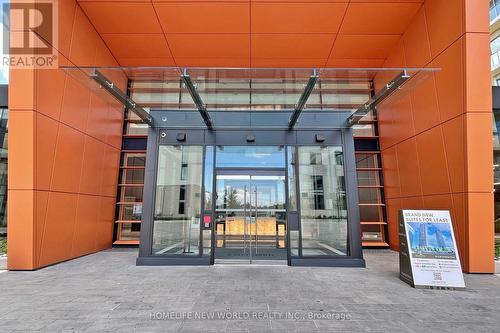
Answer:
(370, 213)
(178, 201)
(369, 195)
(133, 176)
(251, 157)
(207, 242)
(323, 201)
(132, 194)
(137, 129)
(367, 161)
(292, 179)
(368, 178)
(294, 242)
(209, 177)
(129, 231)
(135, 159)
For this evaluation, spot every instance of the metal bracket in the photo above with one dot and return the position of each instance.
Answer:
(196, 98)
(390, 87)
(303, 99)
(121, 97)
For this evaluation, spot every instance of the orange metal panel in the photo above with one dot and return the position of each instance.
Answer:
(123, 17)
(456, 152)
(154, 62)
(291, 46)
(21, 152)
(114, 124)
(59, 228)
(479, 153)
(84, 41)
(416, 41)
(459, 220)
(208, 46)
(75, 105)
(86, 226)
(479, 232)
(439, 202)
(97, 120)
(450, 80)
(45, 143)
(433, 166)
(476, 16)
(354, 63)
(408, 164)
(392, 208)
(66, 17)
(444, 23)
(133, 45)
(363, 46)
(213, 62)
(50, 90)
(477, 73)
(24, 98)
(68, 160)
(378, 18)
(21, 238)
(93, 156)
(452, 115)
(209, 17)
(275, 17)
(424, 105)
(104, 228)
(49, 130)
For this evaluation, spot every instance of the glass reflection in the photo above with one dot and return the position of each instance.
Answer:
(208, 179)
(256, 157)
(250, 217)
(322, 201)
(178, 201)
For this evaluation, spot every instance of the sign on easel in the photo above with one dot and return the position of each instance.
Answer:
(428, 255)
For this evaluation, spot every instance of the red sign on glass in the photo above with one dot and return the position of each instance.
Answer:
(207, 219)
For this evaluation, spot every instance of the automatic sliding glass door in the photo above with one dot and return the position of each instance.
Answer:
(250, 217)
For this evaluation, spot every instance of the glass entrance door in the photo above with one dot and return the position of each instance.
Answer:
(250, 217)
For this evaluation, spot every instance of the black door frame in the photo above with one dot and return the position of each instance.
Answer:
(182, 132)
(251, 171)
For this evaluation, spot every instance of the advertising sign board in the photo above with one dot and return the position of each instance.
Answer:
(428, 254)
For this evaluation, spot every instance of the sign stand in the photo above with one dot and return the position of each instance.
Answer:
(428, 255)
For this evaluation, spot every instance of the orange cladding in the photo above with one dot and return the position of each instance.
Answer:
(64, 153)
(257, 33)
(436, 139)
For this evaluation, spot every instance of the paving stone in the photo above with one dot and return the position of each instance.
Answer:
(106, 292)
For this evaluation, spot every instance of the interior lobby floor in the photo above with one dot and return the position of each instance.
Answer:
(107, 292)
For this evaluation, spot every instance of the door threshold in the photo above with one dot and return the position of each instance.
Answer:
(246, 262)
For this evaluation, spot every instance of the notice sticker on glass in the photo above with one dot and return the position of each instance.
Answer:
(207, 219)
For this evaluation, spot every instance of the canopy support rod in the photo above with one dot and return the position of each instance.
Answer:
(390, 87)
(303, 99)
(202, 109)
(121, 97)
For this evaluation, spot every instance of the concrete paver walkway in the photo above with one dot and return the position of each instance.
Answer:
(107, 292)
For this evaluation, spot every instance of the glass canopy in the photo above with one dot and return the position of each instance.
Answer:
(249, 89)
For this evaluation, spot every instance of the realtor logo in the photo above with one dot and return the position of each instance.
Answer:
(30, 33)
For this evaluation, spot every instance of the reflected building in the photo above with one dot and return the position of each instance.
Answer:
(440, 239)
(422, 235)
